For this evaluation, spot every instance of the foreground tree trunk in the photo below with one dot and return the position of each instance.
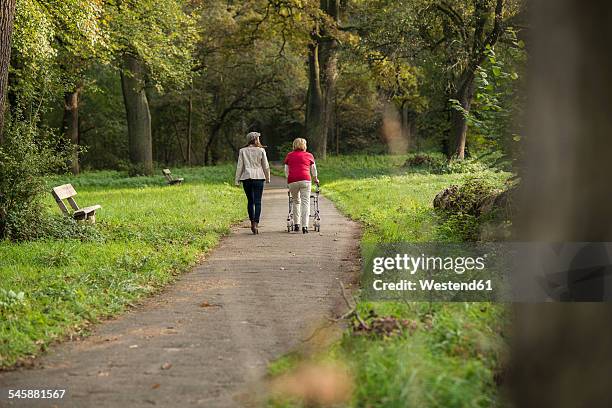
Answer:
(322, 78)
(71, 124)
(563, 352)
(138, 114)
(7, 16)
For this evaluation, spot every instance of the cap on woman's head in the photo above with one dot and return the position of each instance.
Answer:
(252, 136)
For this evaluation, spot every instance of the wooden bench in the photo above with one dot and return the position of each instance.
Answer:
(67, 192)
(170, 178)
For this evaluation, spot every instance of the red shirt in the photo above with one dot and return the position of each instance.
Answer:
(299, 165)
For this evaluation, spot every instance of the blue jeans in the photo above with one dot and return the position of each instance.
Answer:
(253, 190)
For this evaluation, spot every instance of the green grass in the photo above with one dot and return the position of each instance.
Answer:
(451, 358)
(148, 233)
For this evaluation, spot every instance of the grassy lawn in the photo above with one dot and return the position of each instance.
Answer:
(146, 234)
(450, 360)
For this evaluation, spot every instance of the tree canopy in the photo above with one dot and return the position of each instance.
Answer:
(127, 84)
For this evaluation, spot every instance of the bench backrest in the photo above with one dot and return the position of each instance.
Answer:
(65, 192)
(167, 173)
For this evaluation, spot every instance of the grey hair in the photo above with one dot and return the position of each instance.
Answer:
(252, 136)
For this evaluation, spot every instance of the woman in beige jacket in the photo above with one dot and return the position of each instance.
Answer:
(253, 170)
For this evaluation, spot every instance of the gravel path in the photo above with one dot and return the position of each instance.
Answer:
(206, 340)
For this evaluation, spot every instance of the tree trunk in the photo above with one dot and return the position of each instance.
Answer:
(71, 124)
(328, 57)
(7, 16)
(189, 125)
(562, 352)
(322, 78)
(209, 146)
(408, 126)
(138, 114)
(316, 131)
(459, 125)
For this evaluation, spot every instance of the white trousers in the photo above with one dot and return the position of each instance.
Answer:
(300, 193)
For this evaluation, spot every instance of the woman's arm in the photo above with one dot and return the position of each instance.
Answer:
(265, 165)
(313, 171)
(286, 171)
(239, 168)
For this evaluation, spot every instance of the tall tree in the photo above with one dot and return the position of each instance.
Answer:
(70, 123)
(154, 49)
(7, 16)
(322, 75)
(137, 113)
(476, 42)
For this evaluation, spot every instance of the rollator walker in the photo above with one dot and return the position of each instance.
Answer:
(314, 210)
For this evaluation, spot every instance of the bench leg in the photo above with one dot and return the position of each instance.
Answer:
(91, 218)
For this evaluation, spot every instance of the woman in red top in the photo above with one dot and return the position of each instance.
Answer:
(299, 164)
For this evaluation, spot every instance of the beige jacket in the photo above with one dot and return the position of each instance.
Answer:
(252, 164)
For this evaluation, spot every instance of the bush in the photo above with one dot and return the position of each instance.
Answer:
(283, 149)
(438, 164)
(425, 160)
(466, 208)
(26, 156)
(464, 166)
(468, 198)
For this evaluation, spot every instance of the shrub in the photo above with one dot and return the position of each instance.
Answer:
(26, 156)
(464, 166)
(466, 208)
(425, 160)
(283, 149)
(468, 198)
(438, 164)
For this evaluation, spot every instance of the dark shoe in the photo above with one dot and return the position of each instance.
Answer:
(253, 227)
(296, 227)
(256, 228)
(304, 230)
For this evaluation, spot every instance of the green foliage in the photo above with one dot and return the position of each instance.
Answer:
(439, 164)
(46, 35)
(470, 195)
(26, 156)
(142, 241)
(448, 361)
(161, 34)
(462, 211)
(284, 149)
(497, 110)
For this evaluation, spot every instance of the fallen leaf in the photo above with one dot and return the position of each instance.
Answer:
(166, 366)
(207, 304)
(155, 386)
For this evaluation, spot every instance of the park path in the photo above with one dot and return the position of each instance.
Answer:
(206, 340)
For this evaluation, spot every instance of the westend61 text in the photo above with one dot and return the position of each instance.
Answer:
(432, 285)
